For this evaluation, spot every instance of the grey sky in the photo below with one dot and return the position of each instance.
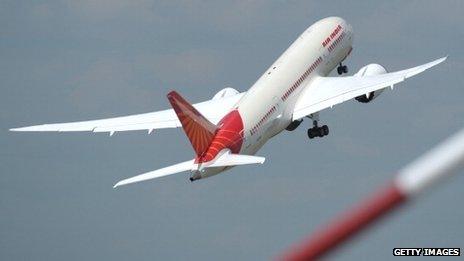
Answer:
(64, 61)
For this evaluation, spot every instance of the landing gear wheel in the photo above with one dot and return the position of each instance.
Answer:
(341, 69)
(325, 128)
(318, 132)
(311, 133)
(345, 69)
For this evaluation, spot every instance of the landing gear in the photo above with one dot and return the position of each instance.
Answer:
(341, 69)
(317, 131)
(325, 128)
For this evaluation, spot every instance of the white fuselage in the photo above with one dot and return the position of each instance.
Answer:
(267, 107)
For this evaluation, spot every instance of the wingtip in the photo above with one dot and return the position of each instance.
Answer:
(20, 129)
(442, 59)
(29, 128)
(119, 183)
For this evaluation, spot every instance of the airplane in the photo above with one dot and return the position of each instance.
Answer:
(229, 129)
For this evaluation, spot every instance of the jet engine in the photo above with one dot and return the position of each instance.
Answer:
(370, 69)
(226, 92)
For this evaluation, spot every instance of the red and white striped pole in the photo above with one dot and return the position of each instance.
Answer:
(436, 164)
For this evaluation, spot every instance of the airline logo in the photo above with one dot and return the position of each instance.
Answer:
(199, 130)
(332, 35)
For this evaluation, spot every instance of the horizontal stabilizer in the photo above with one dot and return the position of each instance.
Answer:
(180, 167)
(226, 159)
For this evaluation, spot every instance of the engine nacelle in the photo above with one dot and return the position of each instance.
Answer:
(370, 69)
(226, 92)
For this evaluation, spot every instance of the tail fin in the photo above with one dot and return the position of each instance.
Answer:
(199, 130)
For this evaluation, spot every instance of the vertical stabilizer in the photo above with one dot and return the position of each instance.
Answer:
(199, 130)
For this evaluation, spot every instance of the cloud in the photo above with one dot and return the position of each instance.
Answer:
(397, 22)
(357, 148)
(189, 67)
(227, 15)
(102, 10)
(112, 79)
(106, 84)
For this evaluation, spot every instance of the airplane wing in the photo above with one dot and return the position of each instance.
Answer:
(213, 110)
(325, 92)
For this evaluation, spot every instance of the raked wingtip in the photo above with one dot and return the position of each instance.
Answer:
(442, 59)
